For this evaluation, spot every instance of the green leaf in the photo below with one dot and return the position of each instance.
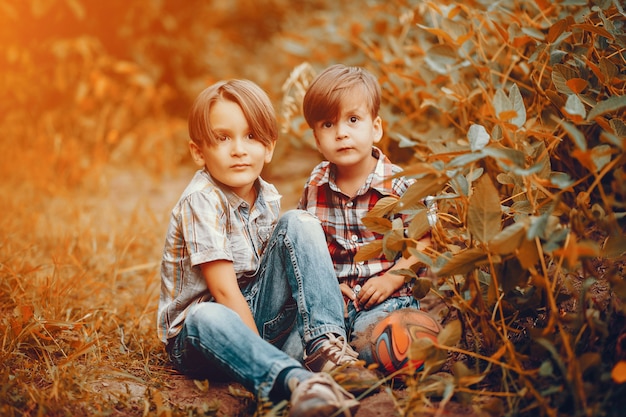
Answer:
(561, 179)
(620, 142)
(393, 242)
(466, 159)
(460, 185)
(611, 104)
(509, 239)
(405, 272)
(618, 126)
(478, 137)
(421, 288)
(601, 155)
(574, 106)
(369, 251)
(405, 142)
(614, 246)
(376, 224)
(517, 103)
(576, 135)
(502, 154)
(450, 335)
(383, 206)
(540, 226)
(419, 225)
(560, 74)
(484, 214)
(429, 185)
(501, 102)
(462, 262)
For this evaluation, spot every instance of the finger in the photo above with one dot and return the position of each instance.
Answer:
(347, 292)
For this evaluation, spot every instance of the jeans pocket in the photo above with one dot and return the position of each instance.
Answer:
(278, 329)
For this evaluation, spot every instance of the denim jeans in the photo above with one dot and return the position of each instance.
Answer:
(295, 292)
(359, 322)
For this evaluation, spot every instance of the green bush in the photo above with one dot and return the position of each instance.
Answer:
(511, 114)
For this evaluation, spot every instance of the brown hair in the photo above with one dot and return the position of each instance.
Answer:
(254, 102)
(323, 98)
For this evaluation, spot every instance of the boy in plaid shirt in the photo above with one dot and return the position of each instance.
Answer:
(341, 106)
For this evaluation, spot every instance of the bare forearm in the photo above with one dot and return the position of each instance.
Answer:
(222, 283)
(238, 304)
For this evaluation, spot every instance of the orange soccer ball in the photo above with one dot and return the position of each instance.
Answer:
(392, 337)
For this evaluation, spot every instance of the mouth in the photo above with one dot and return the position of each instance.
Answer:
(240, 166)
(344, 149)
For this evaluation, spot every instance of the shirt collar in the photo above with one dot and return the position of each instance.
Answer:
(266, 192)
(380, 179)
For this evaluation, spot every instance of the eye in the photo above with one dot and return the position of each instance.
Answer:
(222, 138)
(353, 119)
(327, 124)
(250, 136)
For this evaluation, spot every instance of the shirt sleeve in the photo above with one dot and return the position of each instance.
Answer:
(204, 227)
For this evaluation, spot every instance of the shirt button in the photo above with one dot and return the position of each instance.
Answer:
(350, 204)
(355, 238)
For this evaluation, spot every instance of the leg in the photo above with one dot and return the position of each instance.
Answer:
(297, 274)
(297, 268)
(215, 340)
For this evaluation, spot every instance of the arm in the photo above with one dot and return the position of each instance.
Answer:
(222, 283)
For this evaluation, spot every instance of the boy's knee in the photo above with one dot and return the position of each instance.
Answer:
(299, 216)
(300, 222)
(211, 314)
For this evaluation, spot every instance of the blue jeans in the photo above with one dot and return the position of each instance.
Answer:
(295, 292)
(359, 322)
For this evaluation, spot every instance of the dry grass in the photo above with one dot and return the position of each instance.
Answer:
(79, 286)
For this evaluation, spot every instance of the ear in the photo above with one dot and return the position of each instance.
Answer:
(377, 126)
(269, 152)
(196, 154)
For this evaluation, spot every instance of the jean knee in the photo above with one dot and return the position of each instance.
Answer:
(300, 223)
(207, 315)
(297, 217)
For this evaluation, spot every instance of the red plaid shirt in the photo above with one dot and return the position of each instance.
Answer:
(341, 217)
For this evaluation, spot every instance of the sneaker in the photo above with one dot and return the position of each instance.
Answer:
(321, 396)
(336, 357)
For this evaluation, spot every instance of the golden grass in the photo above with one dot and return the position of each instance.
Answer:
(79, 284)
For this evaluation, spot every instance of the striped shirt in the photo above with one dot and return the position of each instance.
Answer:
(341, 217)
(210, 223)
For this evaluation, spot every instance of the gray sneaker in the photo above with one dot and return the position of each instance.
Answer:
(336, 357)
(321, 396)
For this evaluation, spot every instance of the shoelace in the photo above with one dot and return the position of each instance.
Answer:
(338, 347)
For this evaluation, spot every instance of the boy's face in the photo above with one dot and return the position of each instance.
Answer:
(237, 159)
(348, 140)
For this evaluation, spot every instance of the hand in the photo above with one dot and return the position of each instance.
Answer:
(347, 292)
(378, 289)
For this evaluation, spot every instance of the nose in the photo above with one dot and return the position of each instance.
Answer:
(238, 146)
(342, 130)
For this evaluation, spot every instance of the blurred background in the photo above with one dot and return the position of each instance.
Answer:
(90, 88)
